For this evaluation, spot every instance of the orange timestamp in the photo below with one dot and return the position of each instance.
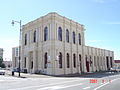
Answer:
(96, 81)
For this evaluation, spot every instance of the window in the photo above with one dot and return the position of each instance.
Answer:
(74, 37)
(25, 39)
(80, 58)
(68, 62)
(45, 60)
(34, 39)
(74, 60)
(95, 61)
(79, 36)
(67, 35)
(80, 62)
(25, 63)
(60, 60)
(31, 64)
(111, 62)
(60, 33)
(45, 34)
(90, 61)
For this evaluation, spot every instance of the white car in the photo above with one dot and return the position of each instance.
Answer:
(2, 71)
(115, 69)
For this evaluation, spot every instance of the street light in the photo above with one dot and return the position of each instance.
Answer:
(13, 22)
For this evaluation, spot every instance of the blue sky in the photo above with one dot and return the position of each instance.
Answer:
(100, 17)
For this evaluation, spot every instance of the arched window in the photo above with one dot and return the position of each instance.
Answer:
(79, 36)
(60, 60)
(60, 33)
(31, 64)
(111, 62)
(79, 57)
(45, 60)
(95, 61)
(80, 62)
(73, 37)
(68, 62)
(25, 62)
(67, 35)
(45, 34)
(74, 60)
(90, 61)
(25, 39)
(34, 39)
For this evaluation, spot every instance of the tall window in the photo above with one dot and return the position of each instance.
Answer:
(45, 60)
(60, 33)
(111, 62)
(74, 60)
(34, 39)
(79, 36)
(60, 60)
(68, 62)
(107, 62)
(67, 35)
(80, 58)
(31, 64)
(90, 61)
(80, 62)
(95, 61)
(25, 39)
(25, 63)
(73, 37)
(98, 61)
(45, 34)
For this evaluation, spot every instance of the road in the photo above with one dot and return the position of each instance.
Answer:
(104, 81)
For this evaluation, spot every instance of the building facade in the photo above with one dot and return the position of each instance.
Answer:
(15, 57)
(117, 63)
(8, 64)
(1, 52)
(55, 45)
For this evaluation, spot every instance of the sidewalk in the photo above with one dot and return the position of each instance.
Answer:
(26, 75)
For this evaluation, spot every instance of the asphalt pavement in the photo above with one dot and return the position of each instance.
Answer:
(93, 81)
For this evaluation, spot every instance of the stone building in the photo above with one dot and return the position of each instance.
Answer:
(1, 52)
(55, 45)
(15, 57)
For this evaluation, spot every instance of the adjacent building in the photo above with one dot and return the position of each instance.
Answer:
(55, 45)
(117, 63)
(8, 64)
(1, 52)
(15, 57)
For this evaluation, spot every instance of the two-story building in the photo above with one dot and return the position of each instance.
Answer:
(55, 45)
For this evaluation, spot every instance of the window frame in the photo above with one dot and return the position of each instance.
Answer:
(68, 60)
(67, 35)
(34, 36)
(73, 37)
(46, 33)
(60, 34)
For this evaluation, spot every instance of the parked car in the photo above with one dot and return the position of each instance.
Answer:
(118, 69)
(115, 69)
(2, 71)
(15, 70)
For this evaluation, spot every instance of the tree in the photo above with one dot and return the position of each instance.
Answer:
(2, 65)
